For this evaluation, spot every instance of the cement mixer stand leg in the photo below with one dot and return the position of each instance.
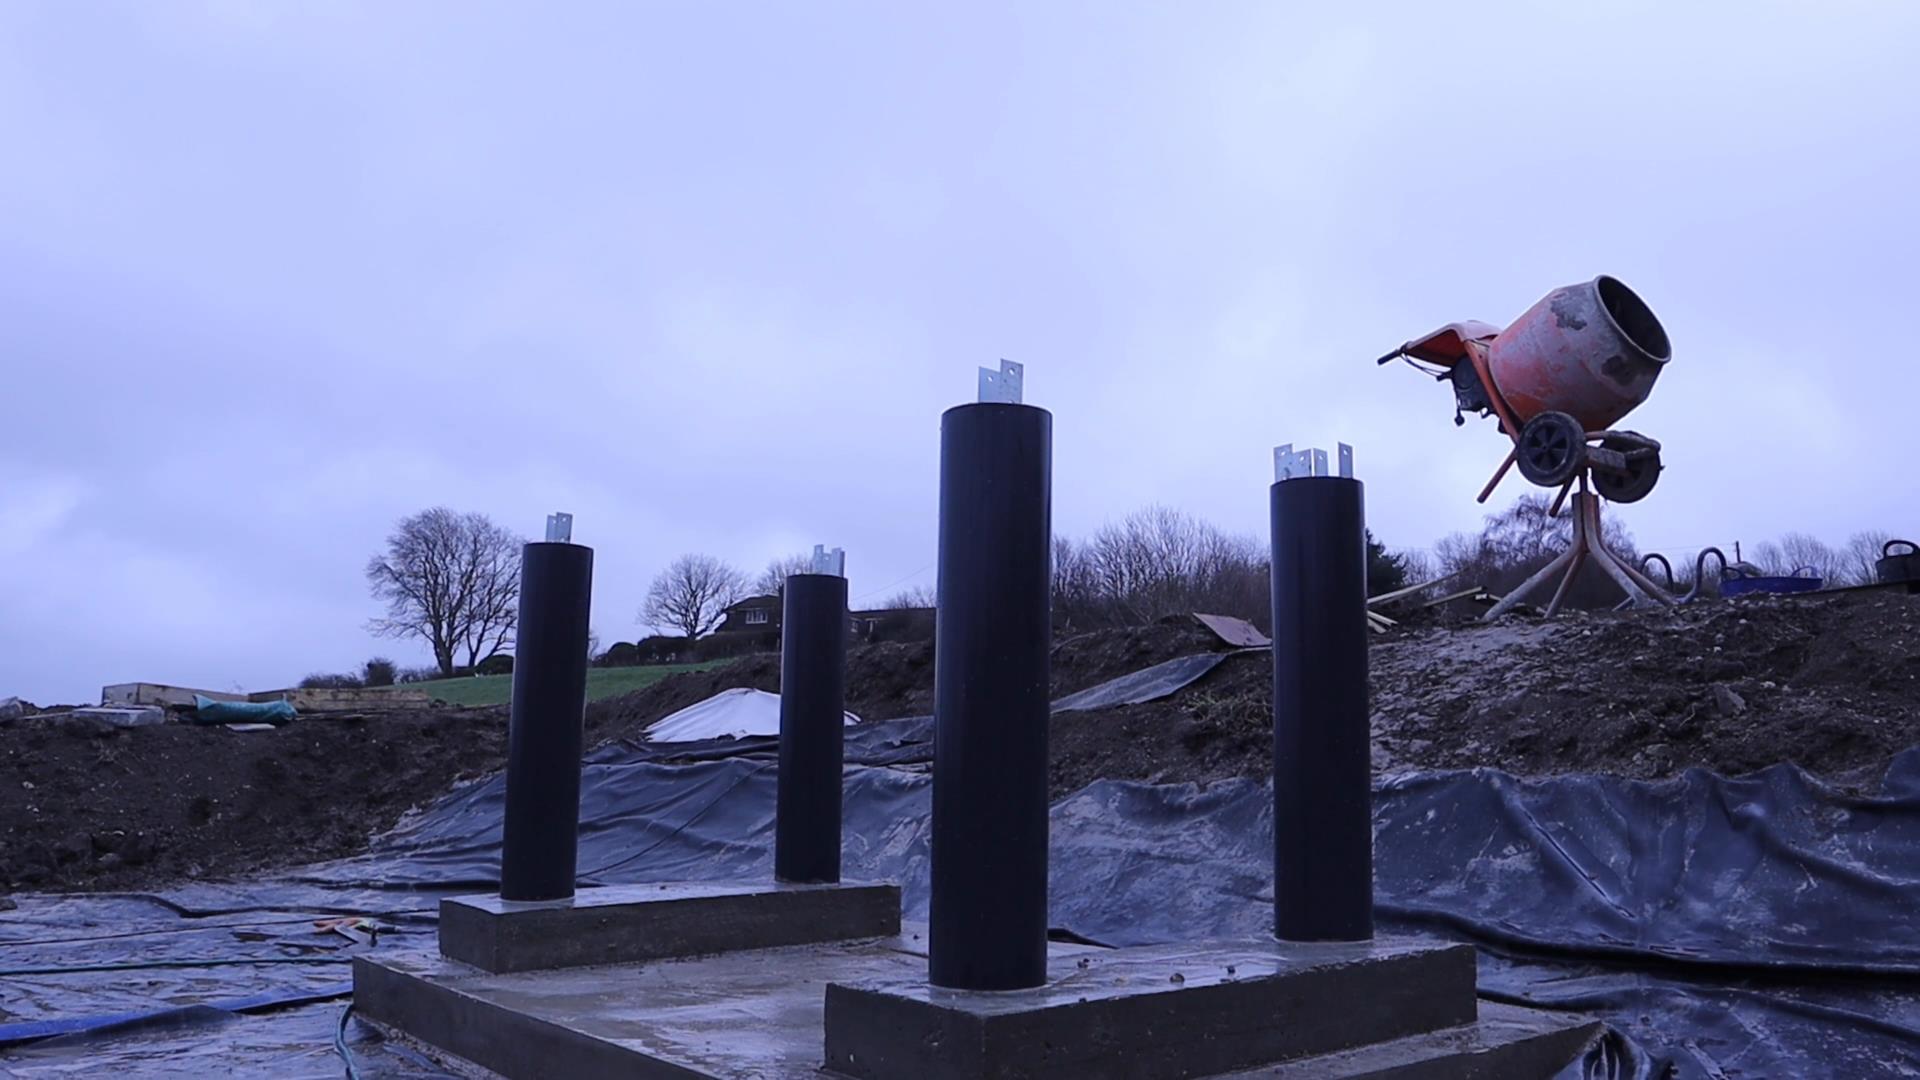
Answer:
(1588, 542)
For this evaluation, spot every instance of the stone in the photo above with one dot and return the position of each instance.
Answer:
(1726, 701)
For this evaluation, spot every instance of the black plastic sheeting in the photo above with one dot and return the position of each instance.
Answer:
(910, 741)
(1758, 926)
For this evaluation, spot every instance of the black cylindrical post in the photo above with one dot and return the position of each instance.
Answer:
(1322, 746)
(543, 732)
(988, 912)
(813, 690)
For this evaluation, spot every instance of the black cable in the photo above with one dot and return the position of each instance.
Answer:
(340, 1043)
(154, 964)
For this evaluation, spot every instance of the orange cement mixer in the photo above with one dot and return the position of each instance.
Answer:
(1559, 378)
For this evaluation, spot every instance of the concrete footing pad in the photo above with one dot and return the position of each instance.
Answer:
(1179, 1010)
(631, 923)
(763, 1013)
(1505, 1042)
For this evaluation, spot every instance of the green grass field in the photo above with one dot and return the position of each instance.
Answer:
(601, 683)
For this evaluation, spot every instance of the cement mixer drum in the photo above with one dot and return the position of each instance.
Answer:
(1558, 379)
(1590, 350)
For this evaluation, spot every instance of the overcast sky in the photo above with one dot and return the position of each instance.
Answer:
(274, 276)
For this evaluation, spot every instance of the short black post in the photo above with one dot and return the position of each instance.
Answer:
(988, 911)
(813, 690)
(543, 734)
(1322, 745)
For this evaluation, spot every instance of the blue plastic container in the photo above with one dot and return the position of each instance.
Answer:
(1802, 580)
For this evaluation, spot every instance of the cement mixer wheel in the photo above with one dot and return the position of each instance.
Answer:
(1643, 471)
(1552, 449)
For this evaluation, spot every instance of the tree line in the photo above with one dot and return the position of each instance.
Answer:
(452, 580)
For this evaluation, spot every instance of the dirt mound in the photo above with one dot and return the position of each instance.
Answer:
(101, 807)
(1831, 684)
(120, 808)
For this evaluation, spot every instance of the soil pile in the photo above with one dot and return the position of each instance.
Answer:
(1831, 683)
(98, 807)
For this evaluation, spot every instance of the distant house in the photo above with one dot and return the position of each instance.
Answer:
(754, 615)
(893, 624)
(759, 617)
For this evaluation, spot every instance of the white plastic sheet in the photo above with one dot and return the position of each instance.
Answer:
(729, 714)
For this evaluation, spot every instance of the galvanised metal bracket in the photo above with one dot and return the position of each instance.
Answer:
(560, 528)
(1289, 464)
(1003, 386)
(829, 561)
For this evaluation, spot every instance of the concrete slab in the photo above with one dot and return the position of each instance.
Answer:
(137, 716)
(631, 923)
(1507, 1043)
(729, 1015)
(761, 1014)
(98, 720)
(1181, 1010)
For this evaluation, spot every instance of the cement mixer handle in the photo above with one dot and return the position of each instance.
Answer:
(1392, 356)
(1886, 549)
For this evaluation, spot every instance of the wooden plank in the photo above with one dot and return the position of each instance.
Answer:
(346, 699)
(1411, 589)
(1463, 594)
(142, 693)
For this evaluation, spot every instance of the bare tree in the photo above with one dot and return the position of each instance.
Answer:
(919, 596)
(1418, 564)
(773, 580)
(451, 580)
(1796, 551)
(1863, 550)
(1076, 597)
(692, 595)
(1159, 561)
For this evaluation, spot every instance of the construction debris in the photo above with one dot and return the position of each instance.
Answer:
(346, 699)
(1236, 632)
(730, 714)
(160, 694)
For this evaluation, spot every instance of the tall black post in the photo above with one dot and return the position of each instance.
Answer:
(988, 912)
(813, 690)
(1322, 746)
(543, 733)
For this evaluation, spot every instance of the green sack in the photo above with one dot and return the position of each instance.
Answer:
(208, 711)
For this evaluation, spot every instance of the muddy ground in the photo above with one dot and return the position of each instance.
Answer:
(1832, 684)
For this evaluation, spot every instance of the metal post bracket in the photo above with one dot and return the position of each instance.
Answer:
(1004, 386)
(1291, 464)
(560, 528)
(829, 560)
